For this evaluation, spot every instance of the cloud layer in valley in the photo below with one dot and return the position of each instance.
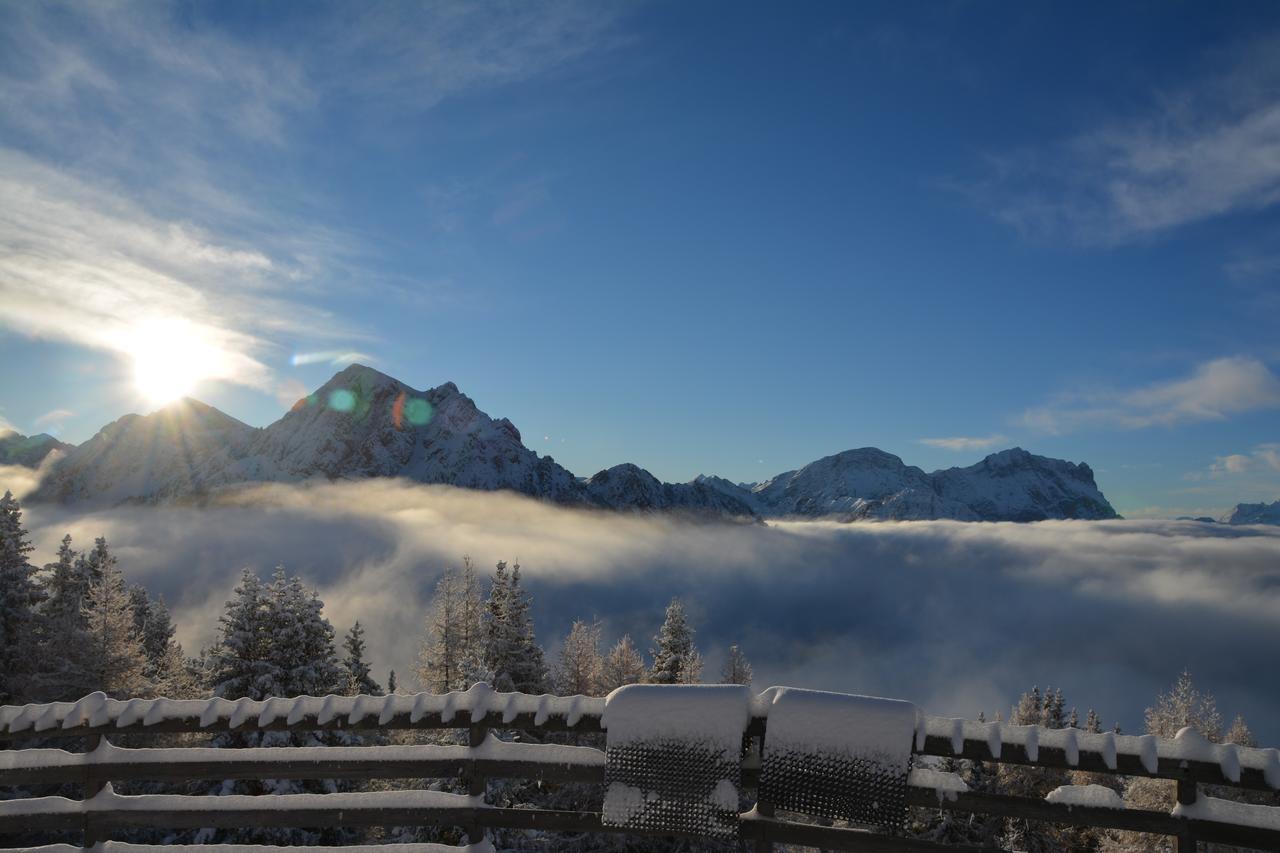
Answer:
(959, 617)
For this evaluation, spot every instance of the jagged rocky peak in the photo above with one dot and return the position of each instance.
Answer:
(1259, 513)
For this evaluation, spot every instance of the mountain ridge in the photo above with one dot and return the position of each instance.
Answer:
(363, 423)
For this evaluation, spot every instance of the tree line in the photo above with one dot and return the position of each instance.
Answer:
(74, 625)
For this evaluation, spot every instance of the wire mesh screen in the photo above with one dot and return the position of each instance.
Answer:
(859, 789)
(672, 785)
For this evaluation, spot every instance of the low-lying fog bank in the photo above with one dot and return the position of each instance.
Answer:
(958, 617)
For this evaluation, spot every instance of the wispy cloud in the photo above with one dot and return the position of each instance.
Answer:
(965, 442)
(53, 418)
(133, 129)
(84, 265)
(1209, 149)
(1215, 390)
(1263, 458)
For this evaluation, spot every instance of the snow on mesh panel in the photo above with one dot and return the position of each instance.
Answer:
(859, 790)
(673, 757)
(672, 786)
(838, 756)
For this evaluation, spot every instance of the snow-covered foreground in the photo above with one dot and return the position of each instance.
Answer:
(957, 617)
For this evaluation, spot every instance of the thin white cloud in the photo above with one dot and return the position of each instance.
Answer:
(965, 442)
(1263, 458)
(53, 418)
(1215, 390)
(1211, 149)
(132, 127)
(87, 266)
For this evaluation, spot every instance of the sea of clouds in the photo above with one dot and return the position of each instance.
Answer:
(959, 617)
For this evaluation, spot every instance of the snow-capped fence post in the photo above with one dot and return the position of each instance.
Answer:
(477, 783)
(763, 808)
(1187, 792)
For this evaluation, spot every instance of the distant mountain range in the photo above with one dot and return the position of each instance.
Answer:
(28, 450)
(363, 423)
(1260, 513)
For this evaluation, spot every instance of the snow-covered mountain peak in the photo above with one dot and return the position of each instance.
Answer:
(363, 423)
(1259, 513)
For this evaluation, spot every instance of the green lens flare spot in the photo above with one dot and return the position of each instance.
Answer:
(342, 400)
(417, 411)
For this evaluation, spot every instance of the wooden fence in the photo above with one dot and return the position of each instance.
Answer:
(101, 813)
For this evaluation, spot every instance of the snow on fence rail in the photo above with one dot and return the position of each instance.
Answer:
(1189, 759)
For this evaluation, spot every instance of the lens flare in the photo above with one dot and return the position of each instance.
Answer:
(342, 400)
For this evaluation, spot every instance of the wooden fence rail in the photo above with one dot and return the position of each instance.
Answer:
(102, 812)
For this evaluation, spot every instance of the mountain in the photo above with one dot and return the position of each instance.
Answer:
(629, 486)
(1259, 513)
(363, 423)
(146, 457)
(28, 450)
(868, 483)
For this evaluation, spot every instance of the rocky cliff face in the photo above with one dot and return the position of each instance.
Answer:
(363, 423)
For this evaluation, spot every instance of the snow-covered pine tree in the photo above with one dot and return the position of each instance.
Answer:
(579, 667)
(154, 625)
(92, 563)
(117, 661)
(1034, 709)
(1184, 705)
(357, 668)
(65, 585)
(675, 659)
(623, 665)
(20, 596)
(63, 673)
(275, 641)
(737, 669)
(392, 686)
(241, 663)
(527, 668)
(458, 637)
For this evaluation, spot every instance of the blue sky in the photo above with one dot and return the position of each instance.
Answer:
(708, 237)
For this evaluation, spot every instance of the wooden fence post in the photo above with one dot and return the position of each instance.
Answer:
(763, 808)
(477, 784)
(1187, 792)
(91, 788)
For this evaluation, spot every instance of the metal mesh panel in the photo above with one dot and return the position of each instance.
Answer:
(859, 789)
(672, 786)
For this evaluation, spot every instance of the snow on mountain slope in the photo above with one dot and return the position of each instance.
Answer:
(1260, 513)
(862, 483)
(629, 486)
(28, 450)
(1014, 485)
(146, 457)
(363, 423)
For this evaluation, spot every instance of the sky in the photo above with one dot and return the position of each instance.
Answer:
(705, 238)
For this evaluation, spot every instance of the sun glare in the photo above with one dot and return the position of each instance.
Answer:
(170, 357)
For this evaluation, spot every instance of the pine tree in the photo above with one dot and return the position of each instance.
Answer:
(737, 669)
(456, 642)
(275, 641)
(1239, 733)
(527, 668)
(579, 668)
(241, 664)
(1035, 709)
(117, 662)
(392, 686)
(357, 669)
(66, 586)
(623, 665)
(154, 626)
(20, 596)
(675, 659)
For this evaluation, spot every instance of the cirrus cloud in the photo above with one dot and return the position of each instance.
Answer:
(1213, 391)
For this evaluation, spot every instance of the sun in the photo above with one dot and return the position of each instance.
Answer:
(170, 357)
